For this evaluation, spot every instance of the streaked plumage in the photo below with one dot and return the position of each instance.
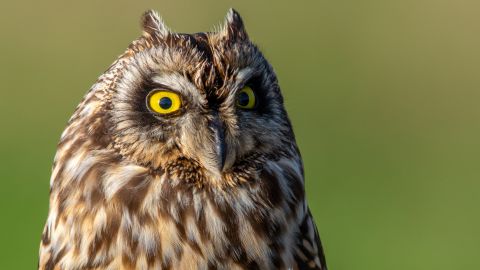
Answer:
(210, 186)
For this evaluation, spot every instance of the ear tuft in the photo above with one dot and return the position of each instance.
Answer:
(153, 25)
(234, 28)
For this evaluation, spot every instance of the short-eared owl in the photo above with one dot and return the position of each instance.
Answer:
(181, 156)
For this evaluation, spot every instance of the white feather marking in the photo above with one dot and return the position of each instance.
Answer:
(100, 220)
(115, 179)
(71, 167)
(147, 238)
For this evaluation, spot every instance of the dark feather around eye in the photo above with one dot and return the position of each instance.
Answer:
(255, 83)
(145, 117)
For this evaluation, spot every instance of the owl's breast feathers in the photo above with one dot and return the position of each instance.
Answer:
(106, 213)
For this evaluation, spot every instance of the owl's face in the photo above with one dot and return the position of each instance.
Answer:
(210, 98)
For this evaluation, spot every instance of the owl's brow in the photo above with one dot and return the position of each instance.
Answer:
(244, 75)
(179, 83)
(210, 76)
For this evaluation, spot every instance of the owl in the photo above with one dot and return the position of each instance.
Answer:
(181, 156)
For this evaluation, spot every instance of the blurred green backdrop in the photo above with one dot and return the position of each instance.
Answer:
(383, 96)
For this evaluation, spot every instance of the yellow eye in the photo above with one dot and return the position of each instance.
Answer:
(246, 98)
(163, 101)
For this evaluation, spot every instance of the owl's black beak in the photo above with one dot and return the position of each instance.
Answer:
(218, 129)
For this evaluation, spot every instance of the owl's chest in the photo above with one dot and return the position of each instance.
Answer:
(154, 223)
(195, 229)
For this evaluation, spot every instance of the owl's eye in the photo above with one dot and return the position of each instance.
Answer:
(246, 98)
(163, 101)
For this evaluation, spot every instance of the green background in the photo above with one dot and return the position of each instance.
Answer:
(383, 96)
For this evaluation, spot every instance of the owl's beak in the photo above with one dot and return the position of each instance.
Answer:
(221, 148)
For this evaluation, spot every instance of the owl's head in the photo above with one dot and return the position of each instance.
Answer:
(210, 98)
